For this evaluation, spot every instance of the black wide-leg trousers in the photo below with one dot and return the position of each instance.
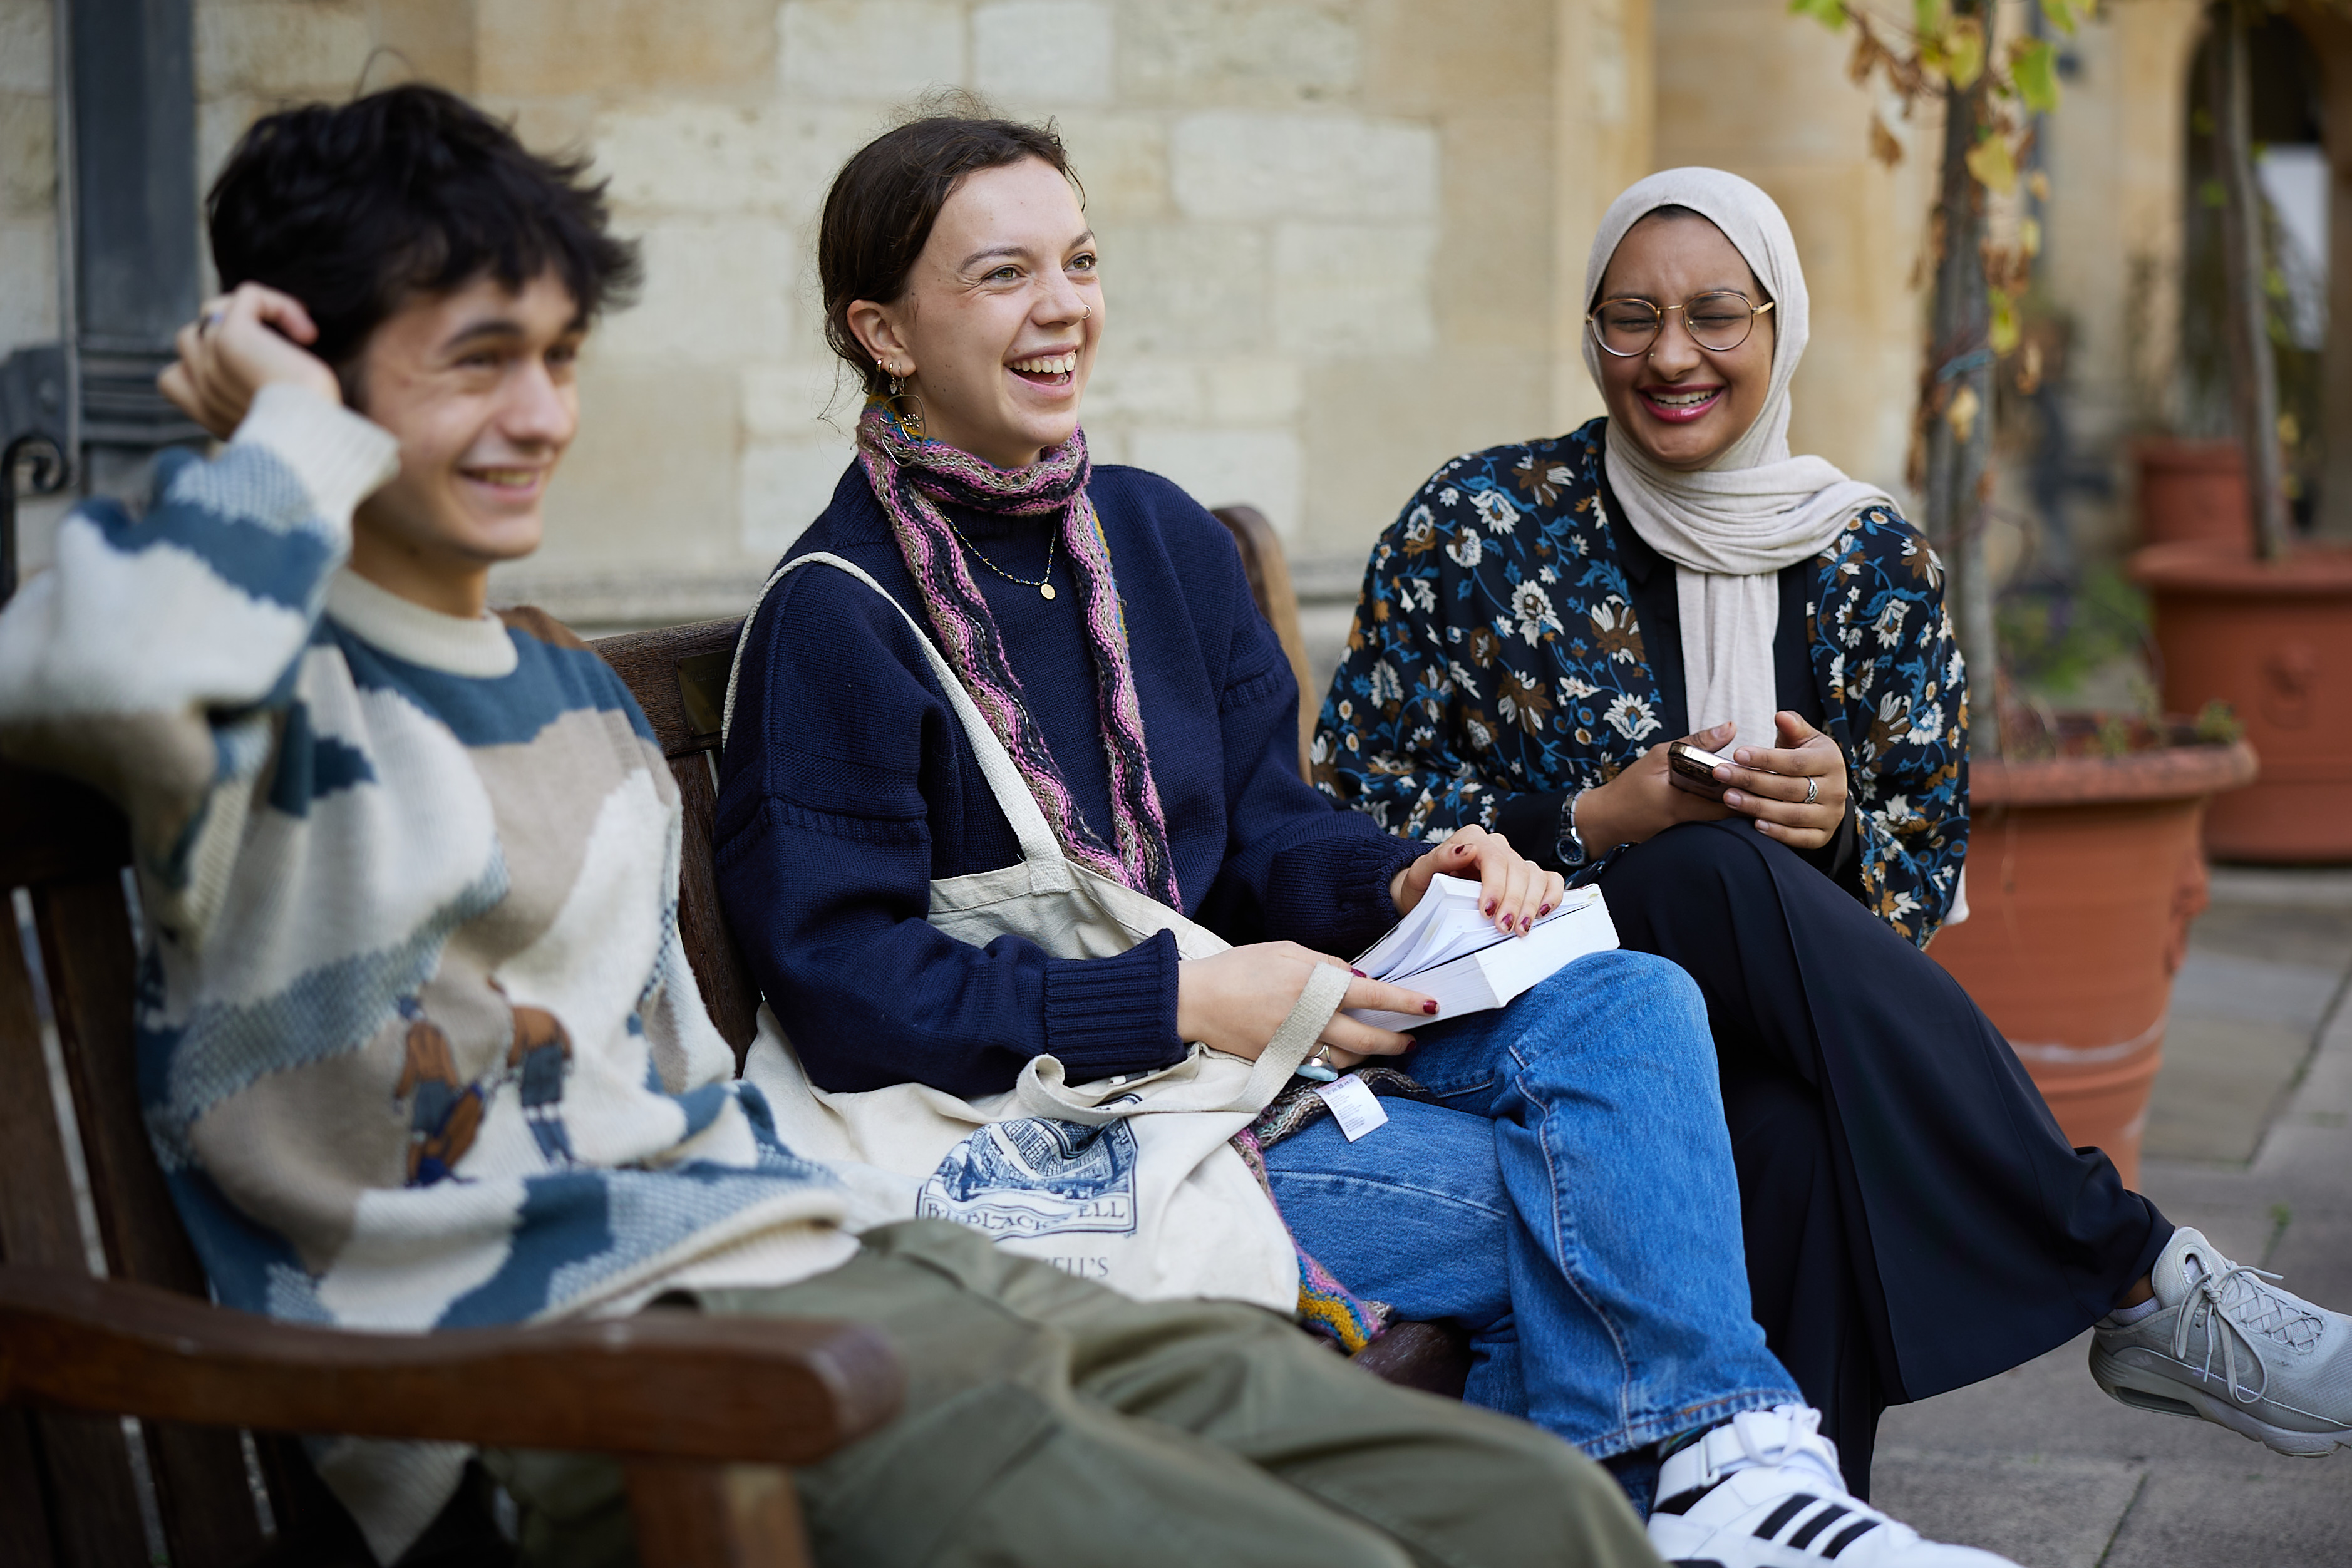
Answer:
(1915, 1219)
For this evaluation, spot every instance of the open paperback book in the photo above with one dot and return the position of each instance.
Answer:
(1446, 949)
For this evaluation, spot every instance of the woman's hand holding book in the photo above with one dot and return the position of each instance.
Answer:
(1235, 1001)
(1514, 892)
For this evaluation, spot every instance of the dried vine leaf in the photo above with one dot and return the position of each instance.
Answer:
(1882, 144)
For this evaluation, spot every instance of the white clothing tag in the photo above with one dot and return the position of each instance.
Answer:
(1355, 1108)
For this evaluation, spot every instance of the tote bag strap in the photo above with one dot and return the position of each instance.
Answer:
(1039, 849)
(1043, 1087)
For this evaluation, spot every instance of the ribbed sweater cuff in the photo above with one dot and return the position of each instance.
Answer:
(340, 459)
(1360, 874)
(1107, 1016)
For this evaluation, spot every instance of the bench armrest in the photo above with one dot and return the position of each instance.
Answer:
(663, 1383)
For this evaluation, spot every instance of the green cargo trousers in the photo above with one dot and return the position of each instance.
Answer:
(1049, 1420)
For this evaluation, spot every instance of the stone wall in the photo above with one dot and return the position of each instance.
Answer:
(1326, 235)
(1343, 239)
(1331, 231)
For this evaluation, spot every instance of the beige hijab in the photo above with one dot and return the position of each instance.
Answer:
(1731, 526)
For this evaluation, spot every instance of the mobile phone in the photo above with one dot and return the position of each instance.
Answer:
(1688, 767)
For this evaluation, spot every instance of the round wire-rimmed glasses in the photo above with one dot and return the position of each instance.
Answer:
(1717, 322)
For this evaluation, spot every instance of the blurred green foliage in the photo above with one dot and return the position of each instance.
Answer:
(2052, 640)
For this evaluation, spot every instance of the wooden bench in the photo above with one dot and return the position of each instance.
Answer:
(705, 1413)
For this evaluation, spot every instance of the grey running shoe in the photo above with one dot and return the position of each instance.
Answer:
(2226, 1348)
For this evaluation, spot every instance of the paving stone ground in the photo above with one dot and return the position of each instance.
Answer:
(2250, 1140)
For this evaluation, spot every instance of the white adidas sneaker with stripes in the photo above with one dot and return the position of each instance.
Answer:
(1763, 1491)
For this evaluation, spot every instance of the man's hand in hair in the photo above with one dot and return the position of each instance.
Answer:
(239, 344)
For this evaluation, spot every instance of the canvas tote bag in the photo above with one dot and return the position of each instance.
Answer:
(1129, 1181)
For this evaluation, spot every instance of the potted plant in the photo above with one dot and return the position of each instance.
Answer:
(2269, 632)
(2084, 865)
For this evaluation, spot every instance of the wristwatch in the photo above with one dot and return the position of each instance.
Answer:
(1569, 846)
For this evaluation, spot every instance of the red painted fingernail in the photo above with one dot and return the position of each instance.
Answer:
(1430, 1006)
(1358, 974)
(1543, 912)
(1486, 910)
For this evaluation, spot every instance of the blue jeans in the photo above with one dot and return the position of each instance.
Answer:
(1570, 1201)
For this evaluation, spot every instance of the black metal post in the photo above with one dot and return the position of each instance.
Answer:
(136, 213)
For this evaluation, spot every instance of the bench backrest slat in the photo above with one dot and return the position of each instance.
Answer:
(679, 676)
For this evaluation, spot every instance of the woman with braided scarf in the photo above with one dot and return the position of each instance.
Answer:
(1581, 1220)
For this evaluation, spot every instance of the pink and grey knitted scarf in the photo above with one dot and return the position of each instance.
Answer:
(912, 478)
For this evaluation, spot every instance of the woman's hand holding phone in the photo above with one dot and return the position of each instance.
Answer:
(1770, 784)
(1643, 801)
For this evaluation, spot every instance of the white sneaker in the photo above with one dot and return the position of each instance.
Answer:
(1764, 1492)
(2258, 1360)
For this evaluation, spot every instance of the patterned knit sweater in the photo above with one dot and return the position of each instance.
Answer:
(418, 1046)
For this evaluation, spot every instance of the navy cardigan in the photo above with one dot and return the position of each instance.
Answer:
(846, 787)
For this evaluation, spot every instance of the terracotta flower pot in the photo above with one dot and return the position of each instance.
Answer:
(2274, 640)
(2194, 492)
(2084, 874)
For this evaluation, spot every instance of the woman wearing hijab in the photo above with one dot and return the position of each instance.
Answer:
(985, 630)
(1537, 627)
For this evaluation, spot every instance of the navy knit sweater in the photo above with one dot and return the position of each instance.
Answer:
(847, 786)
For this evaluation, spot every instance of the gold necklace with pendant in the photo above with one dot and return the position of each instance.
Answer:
(1044, 586)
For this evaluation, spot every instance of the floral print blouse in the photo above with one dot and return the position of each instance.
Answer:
(1495, 652)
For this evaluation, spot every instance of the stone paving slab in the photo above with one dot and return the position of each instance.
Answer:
(2057, 1511)
(2220, 1085)
(2221, 985)
(2254, 1517)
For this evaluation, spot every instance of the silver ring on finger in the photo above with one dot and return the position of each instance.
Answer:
(1812, 790)
(209, 319)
